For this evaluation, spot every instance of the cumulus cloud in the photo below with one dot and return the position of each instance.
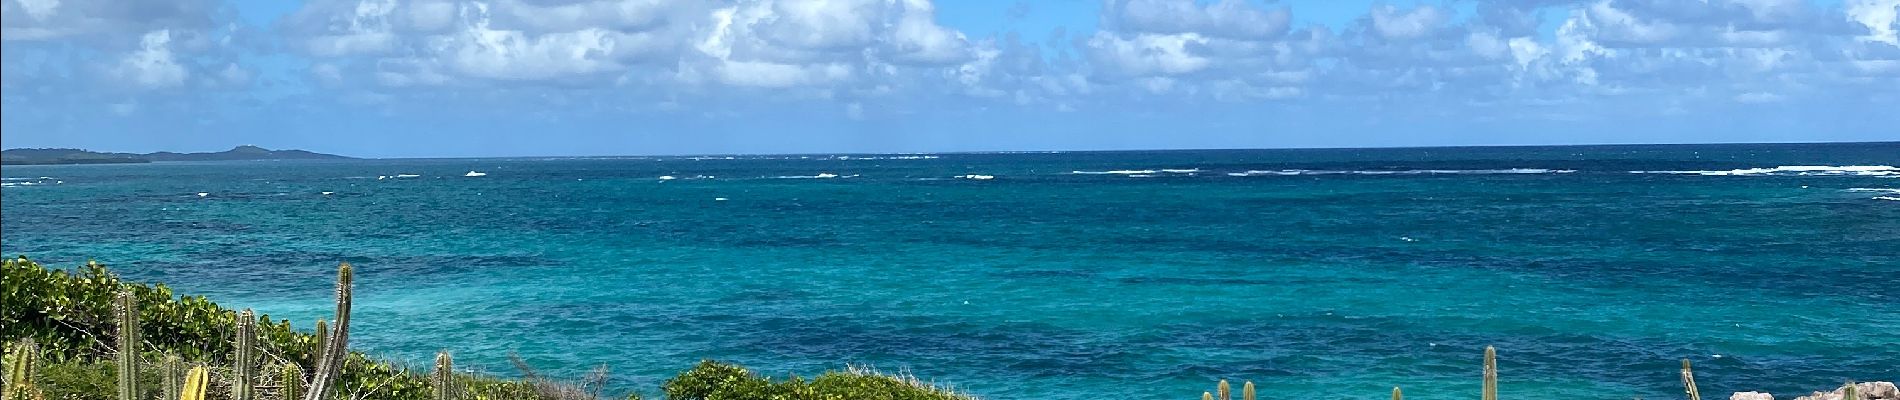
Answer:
(1227, 18)
(1879, 18)
(861, 55)
(752, 43)
(1393, 23)
(1230, 50)
(152, 66)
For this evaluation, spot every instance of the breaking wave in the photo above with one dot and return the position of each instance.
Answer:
(1795, 170)
(1293, 172)
(823, 175)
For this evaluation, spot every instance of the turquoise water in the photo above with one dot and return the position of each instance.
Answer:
(1322, 273)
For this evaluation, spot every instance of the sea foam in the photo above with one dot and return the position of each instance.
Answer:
(1117, 172)
(822, 175)
(1795, 170)
(1511, 171)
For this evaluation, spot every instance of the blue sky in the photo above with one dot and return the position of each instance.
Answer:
(389, 78)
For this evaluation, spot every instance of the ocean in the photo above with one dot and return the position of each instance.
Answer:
(1060, 275)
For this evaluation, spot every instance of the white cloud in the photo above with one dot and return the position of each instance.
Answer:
(152, 65)
(1621, 26)
(1234, 19)
(918, 39)
(1879, 16)
(1147, 54)
(1392, 23)
(876, 51)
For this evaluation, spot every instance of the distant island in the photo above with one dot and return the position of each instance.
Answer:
(77, 156)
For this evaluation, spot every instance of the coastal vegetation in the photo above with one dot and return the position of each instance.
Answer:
(86, 334)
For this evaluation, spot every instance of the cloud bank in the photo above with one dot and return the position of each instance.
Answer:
(1244, 71)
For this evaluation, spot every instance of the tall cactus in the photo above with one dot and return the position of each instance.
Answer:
(129, 343)
(444, 377)
(1396, 395)
(1207, 396)
(1490, 373)
(323, 341)
(1224, 391)
(174, 370)
(1246, 391)
(20, 359)
(1688, 382)
(337, 345)
(244, 361)
(291, 381)
(196, 382)
(1851, 392)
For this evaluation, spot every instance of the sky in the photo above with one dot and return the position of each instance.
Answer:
(458, 78)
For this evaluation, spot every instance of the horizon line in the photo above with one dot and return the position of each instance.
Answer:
(1082, 150)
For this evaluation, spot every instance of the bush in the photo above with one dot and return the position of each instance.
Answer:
(712, 380)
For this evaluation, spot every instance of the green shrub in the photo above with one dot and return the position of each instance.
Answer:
(711, 380)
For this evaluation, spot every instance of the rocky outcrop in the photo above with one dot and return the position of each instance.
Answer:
(1751, 396)
(1866, 391)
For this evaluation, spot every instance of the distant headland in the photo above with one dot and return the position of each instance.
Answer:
(77, 156)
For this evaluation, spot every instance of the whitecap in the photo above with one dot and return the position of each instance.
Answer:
(891, 157)
(473, 174)
(408, 176)
(1793, 170)
(822, 175)
(1181, 171)
(719, 199)
(1876, 190)
(1888, 198)
(978, 177)
(203, 194)
(1117, 172)
(667, 177)
(1261, 172)
(1510, 171)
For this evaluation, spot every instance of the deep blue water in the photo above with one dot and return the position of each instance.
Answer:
(1322, 273)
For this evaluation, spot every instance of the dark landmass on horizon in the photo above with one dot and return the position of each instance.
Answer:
(77, 156)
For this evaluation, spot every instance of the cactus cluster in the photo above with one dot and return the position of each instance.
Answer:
(1226, 391)
(332, 350)
(336, 345)
(1490, 382)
